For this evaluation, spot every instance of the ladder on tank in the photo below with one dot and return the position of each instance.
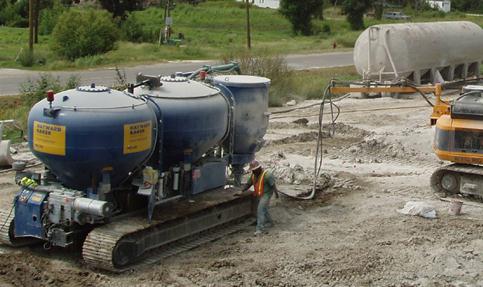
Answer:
(374, 34)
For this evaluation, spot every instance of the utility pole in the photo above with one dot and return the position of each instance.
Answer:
(31, 26)
(36, 21)
(168, 21)
(249, 37)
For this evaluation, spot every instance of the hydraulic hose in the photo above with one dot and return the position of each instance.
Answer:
(319, 149)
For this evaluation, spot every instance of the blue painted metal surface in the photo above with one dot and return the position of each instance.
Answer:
(194, 116)
(251, 112)
(209, 175)
(94, 124)
(191, 117)
(29, 206)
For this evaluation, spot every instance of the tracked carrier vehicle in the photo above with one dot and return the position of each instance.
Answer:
(129, 174)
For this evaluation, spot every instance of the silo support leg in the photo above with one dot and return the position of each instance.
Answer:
(417, 77)
(451, 70)
(464, 73)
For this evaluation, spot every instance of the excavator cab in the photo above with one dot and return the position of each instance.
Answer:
(459, 134)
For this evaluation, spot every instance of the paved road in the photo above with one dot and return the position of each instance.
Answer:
(11, 79)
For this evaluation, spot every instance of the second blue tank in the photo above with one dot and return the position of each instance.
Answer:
(194, 118)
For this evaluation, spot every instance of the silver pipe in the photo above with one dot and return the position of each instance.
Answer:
(176, 178)
(93, 207)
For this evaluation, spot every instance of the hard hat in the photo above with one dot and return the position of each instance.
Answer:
(254, 165)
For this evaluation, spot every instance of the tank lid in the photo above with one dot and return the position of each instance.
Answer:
(93, 88)
(241, 81)
(174, 79)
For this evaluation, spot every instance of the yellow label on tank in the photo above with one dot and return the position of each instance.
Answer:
(49, 138)
(137, 137)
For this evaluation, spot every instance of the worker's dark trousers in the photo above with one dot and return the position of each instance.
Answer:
(263, 217)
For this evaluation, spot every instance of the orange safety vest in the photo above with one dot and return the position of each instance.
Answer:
(259, 185)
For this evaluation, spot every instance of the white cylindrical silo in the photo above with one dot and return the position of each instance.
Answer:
(420, 50)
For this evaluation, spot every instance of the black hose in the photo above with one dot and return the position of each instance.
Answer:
(421, 93)
(319, 150)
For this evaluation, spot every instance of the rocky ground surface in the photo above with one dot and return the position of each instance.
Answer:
(349, 235)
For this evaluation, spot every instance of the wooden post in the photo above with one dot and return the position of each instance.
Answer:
(31, 26)
(249, 38)
(36, 21)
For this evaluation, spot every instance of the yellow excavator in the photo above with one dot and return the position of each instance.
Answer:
(458, 133)
(459, 139)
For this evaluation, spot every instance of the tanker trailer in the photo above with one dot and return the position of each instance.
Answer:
(128, 173)
(422, 52)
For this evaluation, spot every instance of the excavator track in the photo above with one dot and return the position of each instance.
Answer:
(6, 231)
(130, 242)
(449, 180)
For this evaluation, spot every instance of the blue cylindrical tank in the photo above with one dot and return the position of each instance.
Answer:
(194, 115)
(251, 112)
(89, 131)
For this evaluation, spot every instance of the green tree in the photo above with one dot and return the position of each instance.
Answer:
(14, 13)
(50, 15)
(80, 33)
(468, 5)
(300, 14)
(355, 9)
(118, 8)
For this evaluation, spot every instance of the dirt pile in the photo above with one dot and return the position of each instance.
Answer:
(377, 150)
(289, 173)
(298, 138)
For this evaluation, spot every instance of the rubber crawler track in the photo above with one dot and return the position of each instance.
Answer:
(456, 168)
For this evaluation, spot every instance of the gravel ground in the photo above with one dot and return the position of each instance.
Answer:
(350, 235)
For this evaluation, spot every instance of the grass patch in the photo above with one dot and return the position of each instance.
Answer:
(211, 29)
(12, 107)
(310, 84)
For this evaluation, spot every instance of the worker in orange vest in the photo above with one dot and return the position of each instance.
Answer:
(264, 187)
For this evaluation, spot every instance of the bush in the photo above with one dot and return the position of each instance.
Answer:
(34, 91)
(14, 15)
(326, 29)
(270, 66)
(49, 17)
(26, 58)
(80, 33)
(346, 41)
(132, 29)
